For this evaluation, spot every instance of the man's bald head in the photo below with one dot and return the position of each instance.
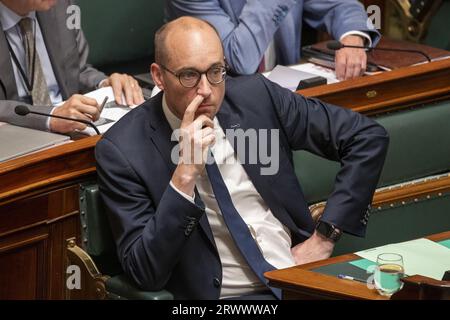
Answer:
(166, 37)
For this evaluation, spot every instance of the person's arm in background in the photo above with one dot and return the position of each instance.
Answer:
(80, 107)
(244, 43)
(7, 114)
(347, 21)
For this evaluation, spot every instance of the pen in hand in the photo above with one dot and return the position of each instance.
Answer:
(100, 109)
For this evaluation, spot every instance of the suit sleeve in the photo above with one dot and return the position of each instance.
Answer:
(7, 114)
(339, 134)
(149, 239)
(89, 76)
(245, 41)
(339, 17)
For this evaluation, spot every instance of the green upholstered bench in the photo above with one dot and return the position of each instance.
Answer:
(419, 154)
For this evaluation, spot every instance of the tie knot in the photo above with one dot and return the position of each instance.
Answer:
(26, 26)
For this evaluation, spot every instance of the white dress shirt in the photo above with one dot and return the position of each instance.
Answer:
(272, 237)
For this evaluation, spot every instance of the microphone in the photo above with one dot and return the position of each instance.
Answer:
(22, 110)
(336, 45)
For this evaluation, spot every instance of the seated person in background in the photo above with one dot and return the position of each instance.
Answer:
(208, 231)
(257, 35)
(43, 63)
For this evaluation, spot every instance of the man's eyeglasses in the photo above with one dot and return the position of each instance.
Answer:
(189, 78)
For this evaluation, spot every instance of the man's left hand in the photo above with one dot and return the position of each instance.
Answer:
(126, 85)
(351, 62)
(317, 247)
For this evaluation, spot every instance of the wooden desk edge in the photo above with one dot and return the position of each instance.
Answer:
(301, 279)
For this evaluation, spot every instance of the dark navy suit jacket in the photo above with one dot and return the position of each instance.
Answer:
(165, 241)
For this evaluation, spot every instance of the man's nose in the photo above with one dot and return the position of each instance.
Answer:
(204, 87)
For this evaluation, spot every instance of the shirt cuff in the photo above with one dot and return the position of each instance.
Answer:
(184, 195)
(100, 83)
(368, 42)
(47, 123)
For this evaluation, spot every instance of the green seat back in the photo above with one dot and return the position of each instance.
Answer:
(120, 31)
(97, 238)
(419, 147)
(400, 223)
(436, 36)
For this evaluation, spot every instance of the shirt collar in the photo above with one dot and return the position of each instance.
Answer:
(174, 122)
(10, 19)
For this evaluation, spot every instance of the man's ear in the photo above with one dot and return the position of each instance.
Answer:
(156, 72)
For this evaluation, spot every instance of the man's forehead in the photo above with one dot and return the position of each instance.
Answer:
(199, 57)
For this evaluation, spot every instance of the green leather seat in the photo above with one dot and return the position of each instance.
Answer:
(99, 244)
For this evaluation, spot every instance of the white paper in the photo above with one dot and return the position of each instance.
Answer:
(421, 256)
(288, 77)
(317, 70)
(109, 114)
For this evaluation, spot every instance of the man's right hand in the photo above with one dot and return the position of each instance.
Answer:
(79, 107)
(196, 136)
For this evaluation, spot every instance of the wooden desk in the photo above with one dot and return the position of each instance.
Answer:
(388, 91)
(300, 282)
(38, 212)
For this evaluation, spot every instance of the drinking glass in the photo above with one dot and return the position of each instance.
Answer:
(388, 272)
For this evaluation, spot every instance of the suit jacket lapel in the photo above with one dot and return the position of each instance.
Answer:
(161, 132)
(161, 137)
(7, 78)
(52, 39)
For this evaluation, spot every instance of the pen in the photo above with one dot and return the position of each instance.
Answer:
(102, 105)
(345, 277)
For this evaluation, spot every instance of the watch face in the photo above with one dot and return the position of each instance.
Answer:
(328, 231)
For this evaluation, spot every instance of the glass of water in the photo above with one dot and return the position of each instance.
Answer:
(388, 272)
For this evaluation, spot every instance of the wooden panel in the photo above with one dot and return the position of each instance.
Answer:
(60, 232)
(38, 211)
(22, 268)
(388, 91)
(401, 194)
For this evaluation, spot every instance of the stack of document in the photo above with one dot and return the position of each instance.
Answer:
(111, 113)
(290, 77)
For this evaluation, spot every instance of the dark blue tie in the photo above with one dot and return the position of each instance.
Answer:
(238, 228)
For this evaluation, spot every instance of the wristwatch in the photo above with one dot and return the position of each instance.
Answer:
(328, 230)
